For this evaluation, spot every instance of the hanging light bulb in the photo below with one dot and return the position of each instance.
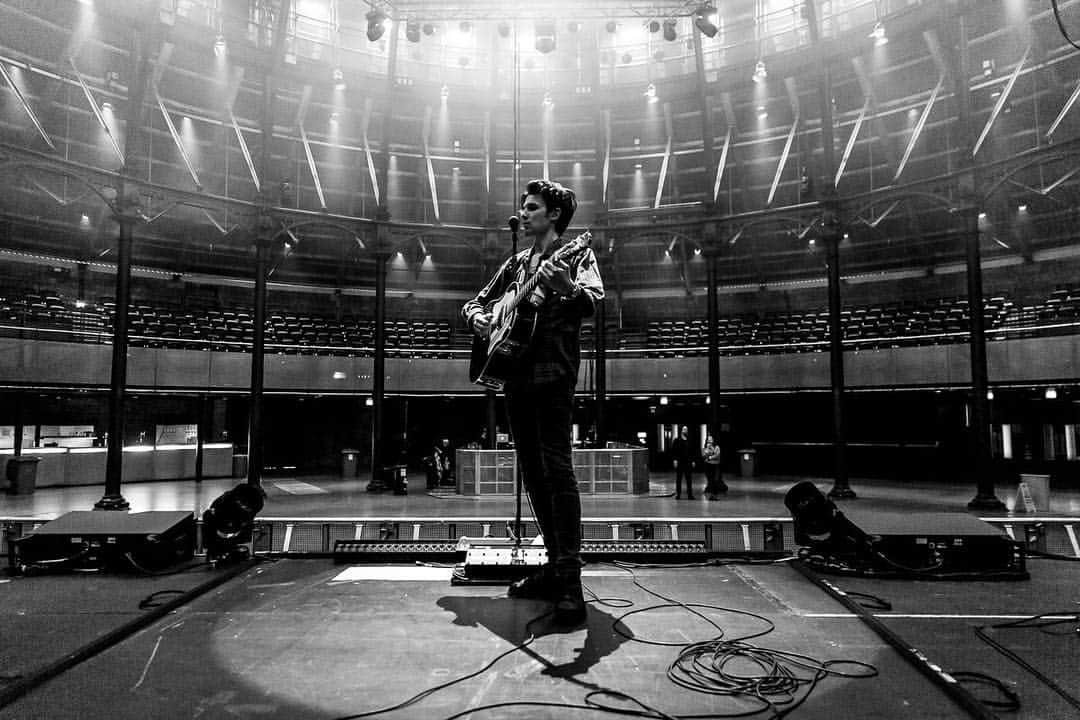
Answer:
(760, 73)
(878, 34)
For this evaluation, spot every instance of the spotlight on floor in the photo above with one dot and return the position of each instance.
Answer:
(229, 521)
(817, 519)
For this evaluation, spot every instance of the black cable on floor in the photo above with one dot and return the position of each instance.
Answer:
(914, 656)
(778, 681)
(785, 680)
(1040, 622)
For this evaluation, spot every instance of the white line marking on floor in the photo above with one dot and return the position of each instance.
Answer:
(390, 572)
(296, 487)
(146, 668)
(938, 616)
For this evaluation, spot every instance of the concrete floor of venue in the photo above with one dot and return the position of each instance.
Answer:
(323, 496)
(299, 638)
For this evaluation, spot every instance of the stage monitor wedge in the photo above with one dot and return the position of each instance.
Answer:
(107, 540)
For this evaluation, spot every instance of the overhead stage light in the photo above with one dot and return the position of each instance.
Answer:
(545, 35)
(377, 21)
(670, 33)
(650, 93)
(412, 31)
(219, 46)
(444, 92)
(548, 101)
(654, 26)
(705, 20)
(339, 79)
(229, 522)
(504, 29)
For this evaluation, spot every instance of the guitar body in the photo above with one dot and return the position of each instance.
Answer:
(512, 325)
(512, 329)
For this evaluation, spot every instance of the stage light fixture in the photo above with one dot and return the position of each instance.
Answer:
(429, 29)
(548, 101)
(465, 26)
(670, 33)
(705, 20)
(377, 21)
(444, 92)
(412, 31)
(339, 79)
(760, 73)
(229, 521)
(819, 522)
(220, 48)
(611, 26)
(504, 29)
(654, 26)
(545, 35)
(650, 93)
(878, 34)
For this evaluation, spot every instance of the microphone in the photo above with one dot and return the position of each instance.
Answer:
(514, 222)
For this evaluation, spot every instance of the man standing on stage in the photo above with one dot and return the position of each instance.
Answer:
(540, 394)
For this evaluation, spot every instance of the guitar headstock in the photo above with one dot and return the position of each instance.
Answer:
(575, 246)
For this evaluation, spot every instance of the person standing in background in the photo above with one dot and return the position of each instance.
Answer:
(714, 481)
(682, 458)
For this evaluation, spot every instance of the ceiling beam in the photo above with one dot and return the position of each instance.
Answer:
(301, 117)
(365, 123)
(793, 98)
(1002, 99)
(26, 106)
(1064, 110)
(917, 131)
(662, 178)
(430, 167)
(177, 140)
(97, 111)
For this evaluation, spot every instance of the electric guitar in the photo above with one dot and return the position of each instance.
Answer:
(512, 326)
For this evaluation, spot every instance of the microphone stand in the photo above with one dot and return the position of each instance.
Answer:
(514, 222)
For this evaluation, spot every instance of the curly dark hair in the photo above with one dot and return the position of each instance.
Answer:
(554, 196)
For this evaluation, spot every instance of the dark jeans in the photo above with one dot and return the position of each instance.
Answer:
(540, 421)
(685, 469)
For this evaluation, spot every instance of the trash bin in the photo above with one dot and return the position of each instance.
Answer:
(22, 474)
(350, 458)
(239, 466)
(748, 462)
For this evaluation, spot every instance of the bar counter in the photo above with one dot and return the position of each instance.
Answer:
(599, 471)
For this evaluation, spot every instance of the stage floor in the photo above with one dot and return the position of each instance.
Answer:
(328, 496)
(298, 639)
